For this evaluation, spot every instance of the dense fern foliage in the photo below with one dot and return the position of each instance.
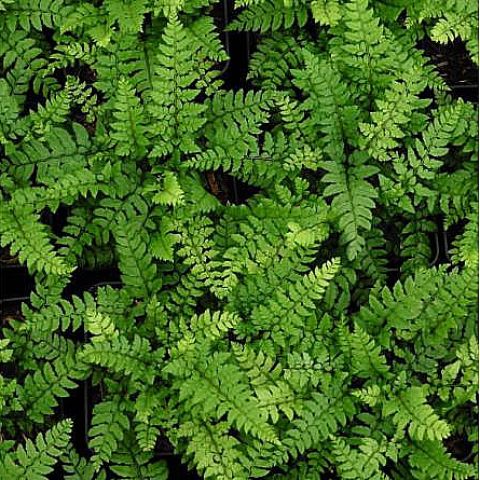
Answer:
(305, 332)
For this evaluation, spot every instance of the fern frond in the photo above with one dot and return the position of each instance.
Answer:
(128, 112)
(40, 390)
(394, 113)
(430, 459)
(364, 462)
(320, 417)
(284, 316)
(129, 15)
(466, 245)
(367, 360)
(108, 427)
(270, 15)
(122, 356)
(129, 463)
(225, 392)
(28, 237)
(412, 411)
(329, 104)
(353, 200)
(213, 451)
(37, 459)
(273, 61)
(57, 154)
(135, 260)
(175, 87)
(77, 467)
(326, 12)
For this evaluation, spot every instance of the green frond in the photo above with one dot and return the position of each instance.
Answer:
(39, 391)
(139, 273)
(215, 387)
(415, 244)
(353, 200)
(413, 413)
(214, 452)
(330, 108)
(129, 463)
(77, 467)
(147, 435)
(337, 296)
(172, 193)
(37, 459)
(128, 111)
(364, 462)
(456, 19)
(118, 354)
(466, 245)
(22, 230)
(203, 32)
(271, 15)
(213, 325)
(175, 88)
(234, 254)
(321, 416)
(57, 316)
(271, 64)
(326, 12)
(24, 62)
(28, 14)
(137, 63)
(366, 360)
(370, 395)
(108, 427)
(429, 459)
(373, 259)
(283, 318)
(128, 14)
(391, 120)
(58, 153)
(362, 50)
(233, 123)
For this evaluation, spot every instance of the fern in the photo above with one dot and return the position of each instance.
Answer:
(77, 468)
(62, 153)
(278, 300)
(294, 305)
(326, 12)
(174, 88)
(430, 458)
(326, 93)
(466, 245)
(22, 230)
(109, 424)
(129, 111)
(40, 390)
(353, 201)
(33, 14)
(135, 261)
(129, 15)
(321, 417)
(367, 360)
(121, 356)
(451, 20)
(364, 462)
(420, 419)
(394, 112)
(37, 458)
(270, 15)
